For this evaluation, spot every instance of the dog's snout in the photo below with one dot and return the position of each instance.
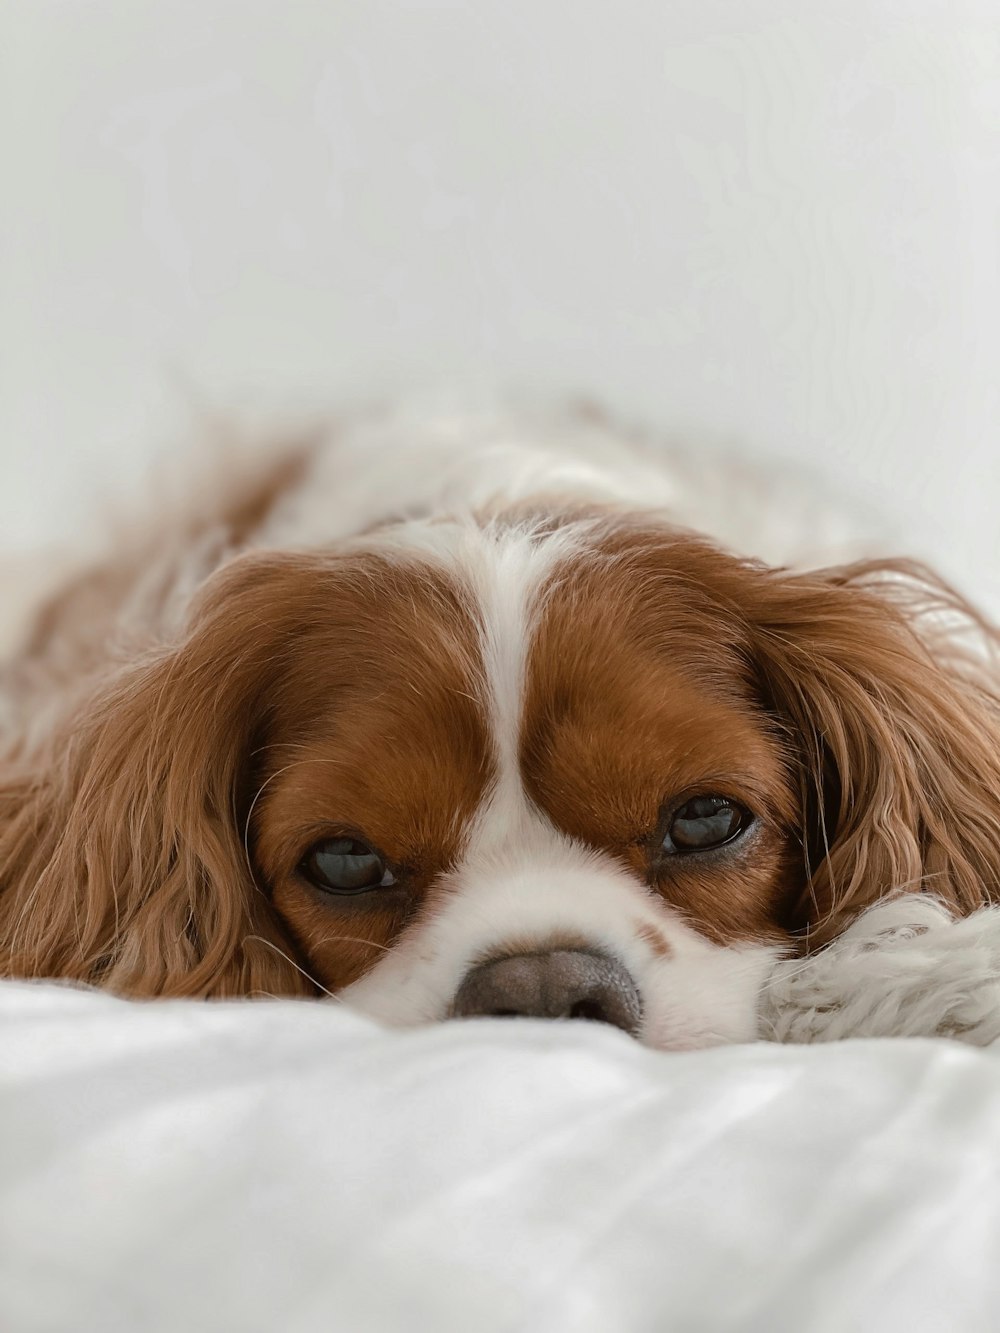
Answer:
(560, 983)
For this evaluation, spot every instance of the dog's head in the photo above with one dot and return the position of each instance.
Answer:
(589, 768)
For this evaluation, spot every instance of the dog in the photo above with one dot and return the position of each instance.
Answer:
(465, 719)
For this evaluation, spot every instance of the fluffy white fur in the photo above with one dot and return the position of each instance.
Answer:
(905, 968)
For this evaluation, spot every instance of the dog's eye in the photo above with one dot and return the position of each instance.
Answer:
(344, 865)
(705, 822)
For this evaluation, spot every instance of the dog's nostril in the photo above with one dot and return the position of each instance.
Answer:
(557, 983)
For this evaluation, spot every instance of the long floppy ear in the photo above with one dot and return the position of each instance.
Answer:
(887, 685)
(122, 861)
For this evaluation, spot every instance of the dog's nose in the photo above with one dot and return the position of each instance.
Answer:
(561, 983)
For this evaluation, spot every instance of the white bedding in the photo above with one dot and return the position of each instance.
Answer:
(288, 1166)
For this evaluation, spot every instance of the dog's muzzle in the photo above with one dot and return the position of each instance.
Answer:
(560, 983)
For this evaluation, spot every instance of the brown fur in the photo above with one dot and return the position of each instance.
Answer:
(663, 661)
(634, 705)
(125, 856)
(376, 729)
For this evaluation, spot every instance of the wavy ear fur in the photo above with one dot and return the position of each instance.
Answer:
(887, 685)
(121, 857)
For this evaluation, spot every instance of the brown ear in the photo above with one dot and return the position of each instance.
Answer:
(122, 860)
(886, 682)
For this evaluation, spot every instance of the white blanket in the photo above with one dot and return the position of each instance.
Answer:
(288, 1166)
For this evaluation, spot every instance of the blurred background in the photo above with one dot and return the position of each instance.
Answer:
(773, 224)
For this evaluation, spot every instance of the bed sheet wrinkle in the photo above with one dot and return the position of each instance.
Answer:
(923, 1233)
(574, 1178)
(105, 1103)
(294, 1167)
(882, 1234)
(512, 1166)
(569, 1177)
(782, 1266)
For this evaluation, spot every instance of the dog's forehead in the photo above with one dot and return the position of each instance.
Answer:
(461, 669)
(529, 627)
(593, 614)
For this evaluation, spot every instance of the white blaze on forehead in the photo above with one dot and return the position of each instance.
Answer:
(507, 581)
(504, 570)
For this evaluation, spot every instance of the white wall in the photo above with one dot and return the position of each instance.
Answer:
(768, 221)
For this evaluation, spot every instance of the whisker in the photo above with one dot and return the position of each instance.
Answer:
(353, 939)
(318, 984)
(278, 745)
(787, 974)
(916, 881)
(260, 791)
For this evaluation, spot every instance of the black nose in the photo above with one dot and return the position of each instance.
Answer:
(561, 983)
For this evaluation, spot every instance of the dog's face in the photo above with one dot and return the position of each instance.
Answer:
(531, 785)
(582, 768)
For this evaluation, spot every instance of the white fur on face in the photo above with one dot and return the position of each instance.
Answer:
(522, 885)
(542, 888)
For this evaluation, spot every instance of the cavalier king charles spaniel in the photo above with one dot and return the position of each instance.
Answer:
(460, 722)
